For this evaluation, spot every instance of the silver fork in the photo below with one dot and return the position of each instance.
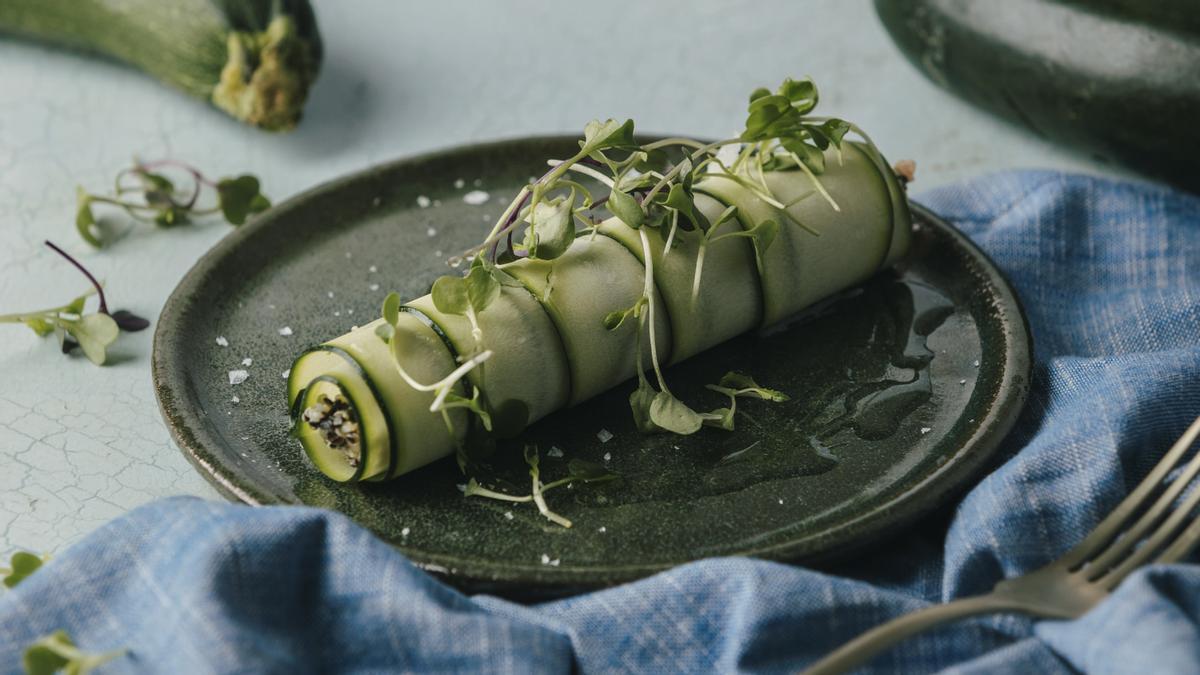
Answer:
(1070, 586)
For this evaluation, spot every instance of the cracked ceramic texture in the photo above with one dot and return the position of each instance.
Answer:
(392, 85)
(308, 265)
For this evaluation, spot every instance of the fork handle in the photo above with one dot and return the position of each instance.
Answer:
(877, 640)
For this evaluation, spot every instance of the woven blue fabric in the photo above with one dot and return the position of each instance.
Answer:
(1110, 276)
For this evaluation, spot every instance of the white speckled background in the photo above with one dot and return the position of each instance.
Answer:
(80, 445)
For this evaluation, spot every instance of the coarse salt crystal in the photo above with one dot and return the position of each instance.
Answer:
(607, 456)
(404, 532)
(285, 331)
(287, 373)
(235, 399)
(976, 364)
(476, 197)
(604, 435)
(508, 515)
(247, 361)
(459, 183)
(329, 294)
(962, 381)
(350, 311)
(337, 313)
(602, 529)
(432, 232)
(423, 201)
(238, 376)
(554, 451)
(374, 287)
(372, 269)
(221, 341)
(925, 430)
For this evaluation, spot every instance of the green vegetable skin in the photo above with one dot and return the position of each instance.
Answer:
(547, 333)
(254, 59)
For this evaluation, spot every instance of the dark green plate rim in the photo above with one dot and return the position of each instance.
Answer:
(184, 417)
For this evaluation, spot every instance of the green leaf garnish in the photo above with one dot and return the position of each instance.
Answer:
(608, 134)
(56, 652)
(391, 308)
(626, 208)
(450, 295)
(93, 333)
(744, 385)
(551, 227)
(240, 198)
(19, 568)
(674, 415)
(153, 197)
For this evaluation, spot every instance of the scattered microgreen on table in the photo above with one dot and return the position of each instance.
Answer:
(147, 193)
(20, 566)
(92, 332)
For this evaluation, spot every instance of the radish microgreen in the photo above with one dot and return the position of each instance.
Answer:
(578, 470)
(647, 191)
(146, 193)
(20, 566)
(93, 332)
(56, 653)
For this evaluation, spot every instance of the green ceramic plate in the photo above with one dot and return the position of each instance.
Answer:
(900, 393)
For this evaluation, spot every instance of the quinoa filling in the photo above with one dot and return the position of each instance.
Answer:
(335, 420)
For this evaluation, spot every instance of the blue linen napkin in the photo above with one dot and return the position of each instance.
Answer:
(1109, 273)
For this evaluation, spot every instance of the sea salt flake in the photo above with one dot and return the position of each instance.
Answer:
(602, 529)
(247, 361)
(372, 269)
(508, 515)
(350, 311)
(287, 373)
(238, 376)
(432, 232)
(554, 451)
(604, 435)
(404, 532)
(330, 294)
(235, 399)
(337, 313)
(976, 364)
(546, 560)
(374, 287)
(423, 201)
(925, 430)
(781, 501)
(285, 331)
(459, 183)
(476, 197)
(607, 456)
(221, 341)
(962, 381)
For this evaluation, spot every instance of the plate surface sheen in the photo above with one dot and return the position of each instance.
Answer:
(900, 392)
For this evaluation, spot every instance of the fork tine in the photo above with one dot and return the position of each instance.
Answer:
(1110, 527)
(1160, 537)
(1103, 563)
(1183, 545)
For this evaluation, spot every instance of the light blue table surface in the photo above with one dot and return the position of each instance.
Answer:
(80, 444)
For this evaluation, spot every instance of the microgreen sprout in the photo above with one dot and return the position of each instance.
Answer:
(648, 189)
(578, 471)
(734, 385)
(58, 653)
(94, 332)
(20, 566)
(146, 193)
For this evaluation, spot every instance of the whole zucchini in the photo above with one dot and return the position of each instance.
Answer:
(254, 59)
(1118, 79)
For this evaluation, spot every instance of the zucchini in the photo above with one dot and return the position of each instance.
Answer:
(253, 59)
(1117, 79)
(546, 330)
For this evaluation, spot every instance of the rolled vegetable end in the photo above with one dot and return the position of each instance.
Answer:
(402, 434)
(547, 331)
(267, 76)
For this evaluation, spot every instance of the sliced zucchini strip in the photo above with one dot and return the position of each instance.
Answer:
(596, 276)
(729, 300)
(844, 248)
